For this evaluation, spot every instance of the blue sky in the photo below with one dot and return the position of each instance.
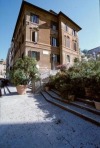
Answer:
(84, 12)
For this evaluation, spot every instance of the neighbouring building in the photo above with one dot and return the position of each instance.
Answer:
(2, 68)
(49, 37)
(10, 56)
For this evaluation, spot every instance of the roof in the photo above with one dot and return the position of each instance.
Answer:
(51, 12)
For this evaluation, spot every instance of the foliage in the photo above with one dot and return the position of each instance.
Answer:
(78, 77)
(62, 67)
(23, 71)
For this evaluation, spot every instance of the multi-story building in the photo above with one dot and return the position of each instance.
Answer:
(49, 37)
(2, 68)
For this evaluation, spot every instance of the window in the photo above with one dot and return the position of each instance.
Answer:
(34, 18)
(75, 45)
(55, 58)
(54, 42)
(54, 26)
(68, 59)
(34, 36)
(73, 32)
(66, 27)
(34, 54)
(67, 42)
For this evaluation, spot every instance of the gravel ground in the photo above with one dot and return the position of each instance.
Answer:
(28, 121)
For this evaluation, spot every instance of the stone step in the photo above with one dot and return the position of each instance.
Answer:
(73, 109)
(86, 107)
(78, 99)
(82, 105)
(85, 101)
(55, 91)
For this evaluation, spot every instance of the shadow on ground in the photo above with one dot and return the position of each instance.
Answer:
(50, 127)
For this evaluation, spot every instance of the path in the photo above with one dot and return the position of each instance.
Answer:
(30, 122)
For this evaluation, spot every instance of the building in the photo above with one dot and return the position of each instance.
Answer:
(10, 56)
(49, 37)
(2, 68)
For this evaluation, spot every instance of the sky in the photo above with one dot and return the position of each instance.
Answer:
(85, 13)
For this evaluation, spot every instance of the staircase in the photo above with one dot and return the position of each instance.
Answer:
(44, 78)
(79, 107)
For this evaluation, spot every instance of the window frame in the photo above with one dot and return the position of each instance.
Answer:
(54, 42)
(34, 18)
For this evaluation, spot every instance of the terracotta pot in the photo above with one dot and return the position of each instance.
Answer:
(46, 88)
(71, 97)
(21, 89)
(97, 105)
(88, 92)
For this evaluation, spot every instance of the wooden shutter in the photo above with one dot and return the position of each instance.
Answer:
(38, 56)
(33, 36)
(57, 42)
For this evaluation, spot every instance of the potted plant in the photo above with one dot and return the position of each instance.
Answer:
(96, 91)
(97, 102)
(23, 71)
(47, 87)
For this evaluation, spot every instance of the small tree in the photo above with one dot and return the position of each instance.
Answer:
(23, 71)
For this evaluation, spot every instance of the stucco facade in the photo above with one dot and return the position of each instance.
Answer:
(49, 37)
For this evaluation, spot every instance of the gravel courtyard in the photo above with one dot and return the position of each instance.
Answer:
(28, 121)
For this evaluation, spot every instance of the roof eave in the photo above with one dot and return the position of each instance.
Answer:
(61, 13)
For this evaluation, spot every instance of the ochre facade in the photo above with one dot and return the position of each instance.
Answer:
(49, 37)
